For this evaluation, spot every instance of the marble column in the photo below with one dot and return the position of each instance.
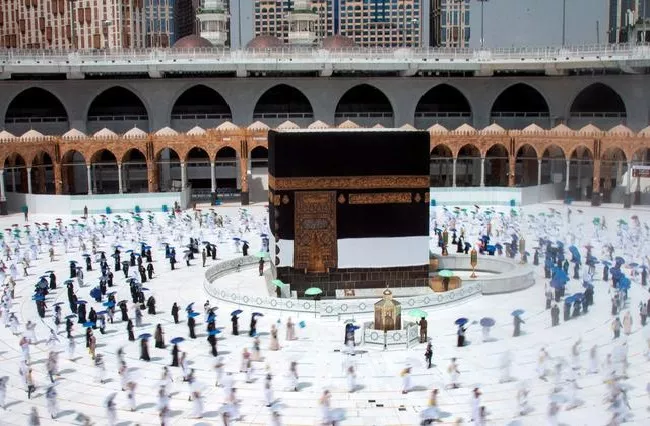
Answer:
(183, 175)
(539, 172)
(595, 188)
(453, 173)
(29, 180)
(3, 198)
(120, 184)
(213, 182)
(627, 203)
(566, 185)
(482, 171)
(89, 179)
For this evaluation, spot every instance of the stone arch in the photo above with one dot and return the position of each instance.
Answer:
(48, 115)
(15, 174)
(167, 163)
(103, 172)
(553, 164)
(597, 104)
(73, 172)
(227, 168)
(441, 160)
(518, 106)
(443, 104)
(119, 109)
(496, 167)
(581, 174)
(198, 164)
(134, 170)
(259, 182)
(42, 173)
(376, 107)
(283, 102)
(526, 165)
(199, 105)
(613, 171)
(468, 165)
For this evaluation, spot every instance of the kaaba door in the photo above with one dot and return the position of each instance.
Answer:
(315, 248)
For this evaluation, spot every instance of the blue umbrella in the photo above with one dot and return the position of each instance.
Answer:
(188, 308)
(193, 314)
(517, 312)
(89, 324)
(606, 263)
(81, 302)
(619, 260)
(498, 246)
(633, 265)
(578, 296)
(236, 312)
(214, 332)
(302, 324)
(569, 299)
(102, 312)
(85, 255)
(624, 283)
(144, 336)
(144, 289)
(487, 322)
(108, 304)
(587, 285)
(38, 297)
(177, 340)
(59, 303)
(461, 321)
(48, 272)
(258, 314)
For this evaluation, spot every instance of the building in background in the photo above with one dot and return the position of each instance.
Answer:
(82, 24)
(185, 22)
(369, 23)
(242, 17)
(454, 23)
(627, 19)
(213, 22)
(537, 23)
(159, 15)
(435, 22)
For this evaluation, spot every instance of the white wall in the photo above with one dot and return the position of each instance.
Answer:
(497, 195)
(383, 252)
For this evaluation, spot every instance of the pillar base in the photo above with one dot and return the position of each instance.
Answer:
(567, 197)
(213, 198)
(627, 201)
(596, 199)
(245, 198)
(3, 208)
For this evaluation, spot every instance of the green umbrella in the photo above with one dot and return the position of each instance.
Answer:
(622, 222)
(418, 313)
(313, 291)
(596, 221)
(278, 283)
(446, 273)
(261, 254)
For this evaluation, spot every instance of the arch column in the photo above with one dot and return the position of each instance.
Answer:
(453, 173)
(29, 180)
(213, 182)
(58, 178)
(89, 178)
(152, 177)
(595, 193)
(13, 178)
(183, 175)
(566, 185)
(627, 202)
(512, 163)
(482, 172)
(120, 185)
(3, 197)
(243, 176)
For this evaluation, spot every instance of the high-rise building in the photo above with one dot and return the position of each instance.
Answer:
(213, 22)
(623, 15)
(454, 23)
(435, 22)
(159, 15)
(370, 23)
(82, 24)
(185, 22)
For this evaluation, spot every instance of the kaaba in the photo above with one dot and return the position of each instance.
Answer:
(349, 209)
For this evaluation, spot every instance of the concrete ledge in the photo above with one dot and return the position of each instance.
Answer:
(512, 276)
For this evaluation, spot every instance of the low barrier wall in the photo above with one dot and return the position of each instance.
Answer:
(408, 336)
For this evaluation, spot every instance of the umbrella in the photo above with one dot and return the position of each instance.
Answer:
(236, 312)
(102, 312)
(417, 313)
(144, 336)
(517, 312)
(71, 316)
(446, 273)
(59, 303)
(48, 272)
(619, 260)
(214, 332)
(278, 283)
(188, 308)
(177, 340)
(258, 314)
(461, 321)
(487, 322)
(578, 297)
(81, 302)
(193, 314)
(606, 263)
(313, 291)
(633, 265)
(89, 324)
(261, 254)
(38, 297)
(587, 285)
(302, 324)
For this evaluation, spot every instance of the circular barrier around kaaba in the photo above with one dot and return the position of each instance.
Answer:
(504, 275)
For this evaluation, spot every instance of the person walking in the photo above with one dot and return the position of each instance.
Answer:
(428, 354)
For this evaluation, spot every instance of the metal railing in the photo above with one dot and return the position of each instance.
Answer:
(308, 54)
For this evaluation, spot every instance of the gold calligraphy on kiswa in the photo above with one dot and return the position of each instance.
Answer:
(381, 198)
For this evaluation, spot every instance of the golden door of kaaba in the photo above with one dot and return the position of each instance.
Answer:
(315, 245)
